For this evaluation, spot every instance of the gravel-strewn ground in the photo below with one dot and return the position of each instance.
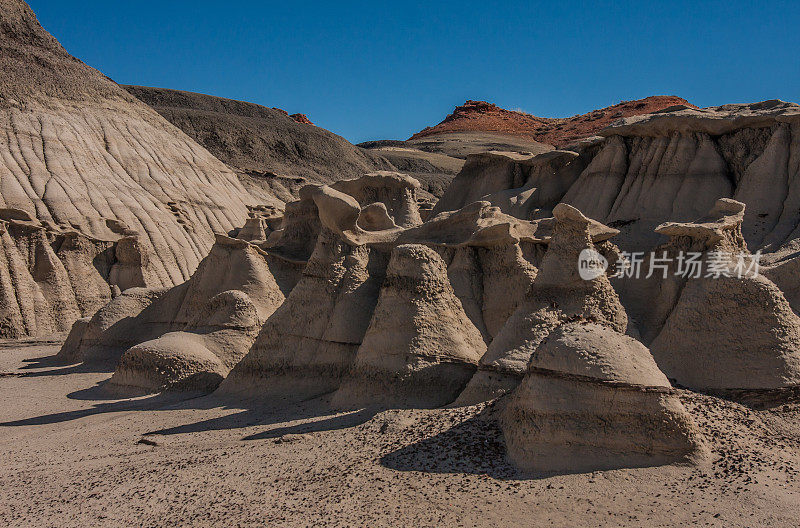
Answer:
(73, 456)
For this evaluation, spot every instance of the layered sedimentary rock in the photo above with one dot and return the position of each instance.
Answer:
(594, 399)
(420, 348)
(558, 295)
(670, 165)
(483, 117)
(342, 305)
(81, 154)
(50, 277)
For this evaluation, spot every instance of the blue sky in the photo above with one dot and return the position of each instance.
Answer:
(368, 70)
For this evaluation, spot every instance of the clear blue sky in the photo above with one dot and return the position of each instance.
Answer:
(368, 70)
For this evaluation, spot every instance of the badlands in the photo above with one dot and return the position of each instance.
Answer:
(216, 313)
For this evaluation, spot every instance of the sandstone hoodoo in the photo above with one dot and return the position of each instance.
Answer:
(317, 335)
(420, 348)
(190, 336)
(594, 399)
(558, 295)
(214, 309)
(745, 335)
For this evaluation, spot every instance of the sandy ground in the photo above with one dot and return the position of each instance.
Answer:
(73, 455)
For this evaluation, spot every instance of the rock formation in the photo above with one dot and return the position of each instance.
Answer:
(273, 154)
(558, 295)
(730, 328)
(420, 348)
(191, 335)
(81, 154)
(594, 399)
(668, 166)
(480, 116)
(333, 321)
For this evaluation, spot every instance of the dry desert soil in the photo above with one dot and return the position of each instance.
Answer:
(76, 455)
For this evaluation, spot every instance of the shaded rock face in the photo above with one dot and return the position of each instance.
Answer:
(594, 399)
(311, 340)
(82, 154)
(558, 295)
(49, 278)
(420, 348)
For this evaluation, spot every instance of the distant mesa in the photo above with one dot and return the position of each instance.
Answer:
(481, 116)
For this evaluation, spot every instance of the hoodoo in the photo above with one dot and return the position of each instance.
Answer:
(558, 295)
(420, 348)
(594, 399)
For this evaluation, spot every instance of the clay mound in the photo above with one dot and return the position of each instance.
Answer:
(594, 399)
(433, 170)
(673, 166)
(84, 155)
(174, 361)
(420, 348)
(274, 154)
(558, 295)
(49, 279)
(486, 117)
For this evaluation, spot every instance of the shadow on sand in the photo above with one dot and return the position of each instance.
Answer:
(473, 446)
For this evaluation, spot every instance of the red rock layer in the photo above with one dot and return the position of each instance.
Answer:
(480, 116)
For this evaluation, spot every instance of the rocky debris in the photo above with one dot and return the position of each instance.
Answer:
(486, 117)
(594, 399)
(558, 295)
(420, 348)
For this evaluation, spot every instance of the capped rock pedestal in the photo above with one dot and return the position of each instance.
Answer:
(594, 399)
